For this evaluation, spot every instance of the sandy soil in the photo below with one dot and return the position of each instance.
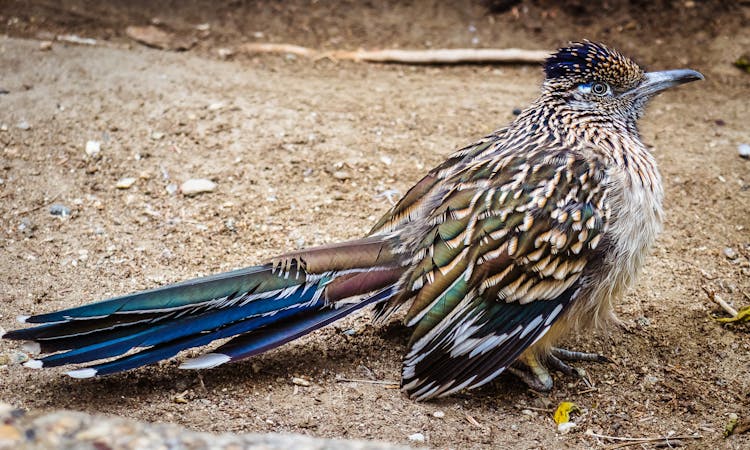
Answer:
(272, 131)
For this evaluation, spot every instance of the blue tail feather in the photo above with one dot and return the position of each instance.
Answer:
(183, 327)
(171, 348)
(187, 294)
(282, 332)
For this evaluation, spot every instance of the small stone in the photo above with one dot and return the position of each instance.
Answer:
(125, 183)
(565, 427)
(203, 27)
(744, 151)
(225, 53)
(197, 186)
(179, 398)
(300, 382)
(157, 135)
(417, 437)
(93, 148)
(341, 175)
(59, 210)
(730, 253)
(26, 226)
(45, 46)
(438, 414)
(23, 125)
(172, 188)
(517, 111)
(215, 106)
(386, 160)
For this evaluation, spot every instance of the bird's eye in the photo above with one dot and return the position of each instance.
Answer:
(600, 88)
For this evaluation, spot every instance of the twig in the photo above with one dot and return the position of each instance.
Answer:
(720, 301)
(628, 441)
(431, 56)
(586, 391)
(473, 421)
(357, 380)
(48, 202)
(547, 410)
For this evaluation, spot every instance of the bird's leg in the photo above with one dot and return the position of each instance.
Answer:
(570, 355)
(532, 372)
(559, 357)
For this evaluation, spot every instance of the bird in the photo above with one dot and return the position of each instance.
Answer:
(514, 242)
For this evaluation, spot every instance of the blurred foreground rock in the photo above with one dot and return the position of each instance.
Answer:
(74, 430)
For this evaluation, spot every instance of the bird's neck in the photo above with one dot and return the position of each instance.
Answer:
(552, 120)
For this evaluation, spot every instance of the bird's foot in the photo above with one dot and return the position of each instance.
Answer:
(559, 358)
(531, 372)
(538, 377)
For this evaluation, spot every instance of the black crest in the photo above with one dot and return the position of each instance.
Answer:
(591, 60)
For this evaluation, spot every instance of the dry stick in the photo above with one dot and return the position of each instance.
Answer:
(433, 56)
(720, 301)
(34, 208)
(628, 441)
(356, 380)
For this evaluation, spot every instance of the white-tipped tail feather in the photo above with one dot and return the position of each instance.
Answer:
(206, 361)
(31, 347)
(82, 373)
(33, 364)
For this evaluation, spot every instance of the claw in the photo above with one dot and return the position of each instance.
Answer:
(569, 355)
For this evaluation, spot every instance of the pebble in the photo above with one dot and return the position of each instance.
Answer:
(215, 106)
(125, 183)
(300, 382)
(416, 437)
(93, 148)
(197, 186)
(26, 226)
(438, 414)
(744, 150)
(157, 135)
(225, 53)
(517, 111)
(730, 253)
(341, 175)
(23, 125)
(565, 427)
(59, 210)
(172, 188)
(45, 45)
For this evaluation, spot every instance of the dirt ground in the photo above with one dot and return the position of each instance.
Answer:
(304, 153)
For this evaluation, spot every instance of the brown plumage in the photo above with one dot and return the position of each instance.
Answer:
(497, 253)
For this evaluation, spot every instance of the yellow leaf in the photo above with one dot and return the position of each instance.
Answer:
(562, 413)
(743, 315)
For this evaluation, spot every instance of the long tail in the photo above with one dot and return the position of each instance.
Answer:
(262, 307)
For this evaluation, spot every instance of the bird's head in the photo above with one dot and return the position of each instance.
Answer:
(593, 79)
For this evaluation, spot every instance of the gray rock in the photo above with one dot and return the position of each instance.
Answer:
(59, 210)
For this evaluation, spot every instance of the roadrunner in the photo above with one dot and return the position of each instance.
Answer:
(496, 254)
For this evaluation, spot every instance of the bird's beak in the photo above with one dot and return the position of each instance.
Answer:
(655, 82)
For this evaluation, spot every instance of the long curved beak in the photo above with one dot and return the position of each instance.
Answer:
(655, 82)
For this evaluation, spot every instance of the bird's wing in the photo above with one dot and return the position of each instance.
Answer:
(412, 205)
(502, 258)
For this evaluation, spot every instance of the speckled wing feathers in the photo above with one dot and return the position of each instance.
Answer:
(498, 261)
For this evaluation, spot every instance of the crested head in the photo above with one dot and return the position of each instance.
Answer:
(594, 83)
(589, 62)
